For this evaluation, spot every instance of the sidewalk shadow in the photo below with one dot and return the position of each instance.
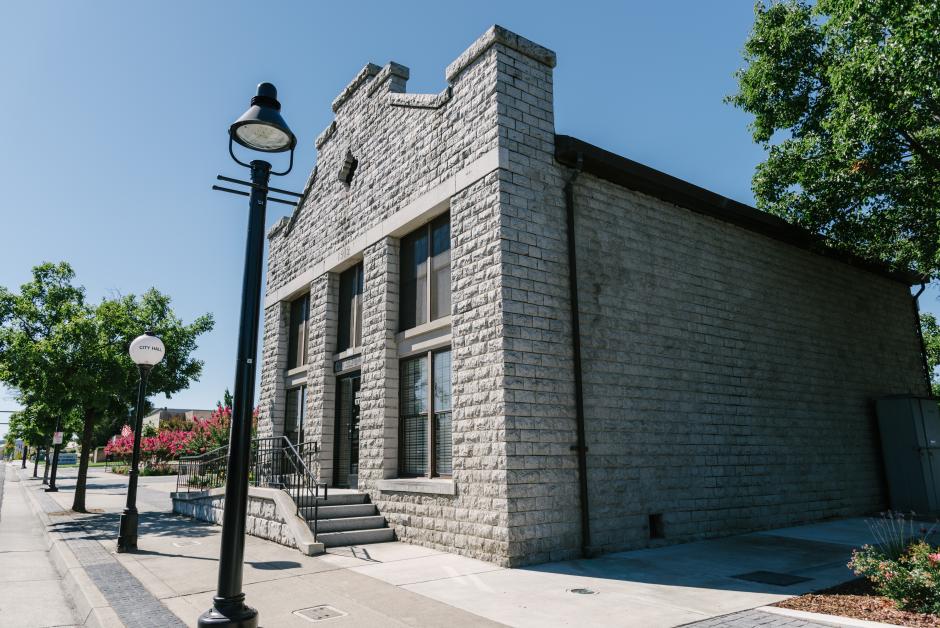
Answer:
(106, 525)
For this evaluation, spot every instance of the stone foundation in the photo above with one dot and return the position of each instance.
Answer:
(271, 515)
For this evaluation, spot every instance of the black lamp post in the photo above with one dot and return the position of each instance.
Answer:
(146, 352)
(263, 129)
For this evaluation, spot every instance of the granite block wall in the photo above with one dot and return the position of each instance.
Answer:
(728, 377)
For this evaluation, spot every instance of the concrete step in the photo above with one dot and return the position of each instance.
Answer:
(356, 537)
(336, 499)
(338, 512)
(344, 524)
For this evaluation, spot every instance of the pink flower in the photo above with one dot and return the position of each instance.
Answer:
(934, 559)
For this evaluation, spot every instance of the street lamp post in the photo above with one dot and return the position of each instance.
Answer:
(263, 129)
(146, 352)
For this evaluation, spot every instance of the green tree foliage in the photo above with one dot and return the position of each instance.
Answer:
(58, 350)
(846, 99)
(931, 332)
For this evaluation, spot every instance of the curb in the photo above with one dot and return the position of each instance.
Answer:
(820, 618)
(90, 605)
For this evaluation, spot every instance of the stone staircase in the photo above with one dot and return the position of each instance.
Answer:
(346, 518)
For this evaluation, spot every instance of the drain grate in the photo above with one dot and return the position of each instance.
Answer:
(582, 591)
(320, 613)
(772, 577)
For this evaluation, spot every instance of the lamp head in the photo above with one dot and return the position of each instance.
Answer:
(262, 128)
(146, 350)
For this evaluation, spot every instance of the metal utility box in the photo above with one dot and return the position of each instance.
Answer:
(910, 442)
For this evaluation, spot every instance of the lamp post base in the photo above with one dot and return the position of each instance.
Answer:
(127, 537)
(231, 613)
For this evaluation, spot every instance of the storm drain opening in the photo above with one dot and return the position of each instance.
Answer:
(656, 526)
(320, 613)
(772, 577)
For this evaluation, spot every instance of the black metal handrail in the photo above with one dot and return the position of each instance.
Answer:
(203, 471)
(275, 463)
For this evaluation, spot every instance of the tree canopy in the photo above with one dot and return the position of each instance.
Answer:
(67, 355)
(846, 100)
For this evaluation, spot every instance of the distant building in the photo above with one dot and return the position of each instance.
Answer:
(159, 418)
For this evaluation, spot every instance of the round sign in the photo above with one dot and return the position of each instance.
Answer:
(146, 350)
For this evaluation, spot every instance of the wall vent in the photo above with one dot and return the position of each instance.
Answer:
(656, 527)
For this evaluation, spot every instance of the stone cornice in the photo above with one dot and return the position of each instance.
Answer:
(499, 35)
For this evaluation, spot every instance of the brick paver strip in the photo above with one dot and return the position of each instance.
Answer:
(132, 602)
(755, 619)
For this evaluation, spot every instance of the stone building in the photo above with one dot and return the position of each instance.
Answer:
(524, 348)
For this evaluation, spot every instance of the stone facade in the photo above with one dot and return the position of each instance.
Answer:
(727, 375)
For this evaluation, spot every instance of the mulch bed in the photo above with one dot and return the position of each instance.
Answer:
(858, 599)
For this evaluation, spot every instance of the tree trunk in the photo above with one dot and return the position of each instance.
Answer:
(45, 469)
(25, 454)
(88, 433)
(36, 463)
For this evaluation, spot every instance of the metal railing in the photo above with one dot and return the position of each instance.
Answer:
(275, 463)
(202, 472)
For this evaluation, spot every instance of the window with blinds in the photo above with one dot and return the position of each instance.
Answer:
(425, 274)
(349, 333)
(297, 335)
(425, 417)
(443, 436)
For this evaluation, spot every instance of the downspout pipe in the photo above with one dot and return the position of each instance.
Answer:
(581, 446)
(928, 379)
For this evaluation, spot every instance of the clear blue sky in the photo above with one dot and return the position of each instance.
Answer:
(116, 117)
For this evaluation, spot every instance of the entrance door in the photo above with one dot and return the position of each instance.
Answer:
(346, 454)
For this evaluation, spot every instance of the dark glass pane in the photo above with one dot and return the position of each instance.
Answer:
(414, 418)
(346, 448)
(297, 332)
(357, 307)
(294, 413)
(349, 332)
(414, 272)
(440, 267)
(443, 434)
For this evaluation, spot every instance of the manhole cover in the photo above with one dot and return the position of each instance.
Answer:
(772, 577)
(319, 613)
(582, 591)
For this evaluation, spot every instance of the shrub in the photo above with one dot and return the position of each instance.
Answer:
(912, 580)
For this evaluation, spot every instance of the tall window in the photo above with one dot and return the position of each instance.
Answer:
(425, 420)
(350, 309)
(425, 252)
(297, 337)
(294, 415)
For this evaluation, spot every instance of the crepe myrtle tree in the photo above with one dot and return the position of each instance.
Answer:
(845, 98)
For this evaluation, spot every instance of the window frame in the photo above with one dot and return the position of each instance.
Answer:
(301, 411)
(298, 343)
(429, 292)
(429, 418)
(354, 317)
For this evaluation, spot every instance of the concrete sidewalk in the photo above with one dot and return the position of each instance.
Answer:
(32, 592)
(395, 584)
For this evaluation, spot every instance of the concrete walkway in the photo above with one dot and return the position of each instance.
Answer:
(714, 583)
(32, 594)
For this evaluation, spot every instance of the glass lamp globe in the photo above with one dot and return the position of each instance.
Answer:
(262, 128)
(146, 350)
